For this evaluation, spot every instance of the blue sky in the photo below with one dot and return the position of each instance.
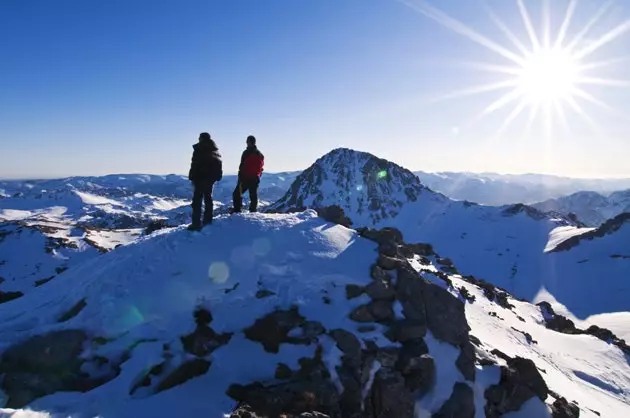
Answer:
(90, 88)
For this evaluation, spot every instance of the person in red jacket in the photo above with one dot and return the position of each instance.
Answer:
(249, 172)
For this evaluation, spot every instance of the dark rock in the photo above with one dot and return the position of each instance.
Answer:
(466, 361)
(9, 296)
(389, 397)
(466, 295)
(353, 291)
(461, 404)
(202, 316)
(419, 372)
(312, 329)
(186, 371)
(601, 333)
(273, 329)
(347, 342)
(561, 408)
(204, 340)
(382, 310)
(446, 316)
(155, 225)
(366, 328)
(520, 381)
(409, 291)
(74, 311)
(43, 365)
(384, 235)
(388, 356)
(380, 290)
(264, 293)
(283, 371)
(406, 329)
(362, 314)
(420, 249)
(334, 214)
(377, 273)
(388, 263)
(389, 249)
(444, 261)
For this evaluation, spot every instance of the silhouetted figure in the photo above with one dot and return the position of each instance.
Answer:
(206, 168)
(249, 172)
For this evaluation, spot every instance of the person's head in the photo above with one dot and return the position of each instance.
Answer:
(204, 136)
(251, 141)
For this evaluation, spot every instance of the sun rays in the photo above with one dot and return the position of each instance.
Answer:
(547, 75)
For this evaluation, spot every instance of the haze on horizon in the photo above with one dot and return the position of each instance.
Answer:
(126, 87)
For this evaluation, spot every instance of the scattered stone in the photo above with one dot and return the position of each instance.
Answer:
(334, 214)
(42, 281)
(561, 408)
(362, 314)
(327, 300)
(264, 293)
(283, 371)
(353, 291)
(74, 311)
(273, 329)
(388, 263)
(406, 329)
(9, 296)
(380, 290)
(203, 340)
(186, 371)
(466, 361)
(388, 397)
(527, 335)
(461, 404)
(346, 342)
(466, 295)
(520, 381)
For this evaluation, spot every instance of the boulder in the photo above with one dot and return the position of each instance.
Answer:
(520, 381)
(389, 397)
(354, 291)
(404, 330)
(461, 404)
(186, 371)
(347, 342)
(561, 408)
(466, 361)
(380, 290)
(273, 329)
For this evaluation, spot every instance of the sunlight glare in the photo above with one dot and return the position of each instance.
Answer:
(548, 75)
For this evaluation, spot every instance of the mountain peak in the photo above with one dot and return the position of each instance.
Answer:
(372, 187)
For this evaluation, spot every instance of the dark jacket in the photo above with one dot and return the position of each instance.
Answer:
(206, 164)
(251, 150)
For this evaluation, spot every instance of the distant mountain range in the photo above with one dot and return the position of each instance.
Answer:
(501, 189)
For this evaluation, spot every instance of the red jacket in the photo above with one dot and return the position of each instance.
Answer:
(252, 164)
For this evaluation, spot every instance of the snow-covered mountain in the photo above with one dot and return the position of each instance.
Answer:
(502, 189)
(288, 313)
(509, 246)
(590, 207)
(48, 226)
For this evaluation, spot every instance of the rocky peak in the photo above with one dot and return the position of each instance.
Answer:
(361, 183)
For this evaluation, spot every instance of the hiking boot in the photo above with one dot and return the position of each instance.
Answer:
(206, 222)
(194, 227)
(232, 210)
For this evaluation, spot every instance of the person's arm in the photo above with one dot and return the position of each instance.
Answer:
(240, 167)
(194, 162)
(218, 169)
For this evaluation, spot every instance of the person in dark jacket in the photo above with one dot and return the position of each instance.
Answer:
(249, 172)
(206, 168)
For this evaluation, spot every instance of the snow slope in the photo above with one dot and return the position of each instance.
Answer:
(590, 207)
(502, 189)
(136, 303)
(504, 245)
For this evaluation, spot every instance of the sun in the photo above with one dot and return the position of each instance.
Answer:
(548, 76)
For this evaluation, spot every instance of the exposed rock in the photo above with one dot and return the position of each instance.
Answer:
(380, 290)
(446, 315)
(388, 397)
(334, 214)
(466, 361)
(183, 373)
(9, 296)
(347, 342)
(264, 293)
(520, 381)
(461, 404)
(204, 340)
(43, 365)
(273, 329)
(466, 295)
(409, 291)
(283, 371)
(444, 261)
(419, 372)
(74, 311)
(388, 356)
(382, 310)
(388, 263)
(377, 273)
(362, 314)
(389, 249)
(384, 235)
(420, 249)
(366, 328)
(354, 291)
(561, 408)
(406, 329)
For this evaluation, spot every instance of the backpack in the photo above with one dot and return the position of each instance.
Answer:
(253, 165)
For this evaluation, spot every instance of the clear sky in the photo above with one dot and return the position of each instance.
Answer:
(97, 87)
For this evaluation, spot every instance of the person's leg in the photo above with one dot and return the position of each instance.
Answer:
(237, 197)
(253, 195)
(207, 198)
(196, 205)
